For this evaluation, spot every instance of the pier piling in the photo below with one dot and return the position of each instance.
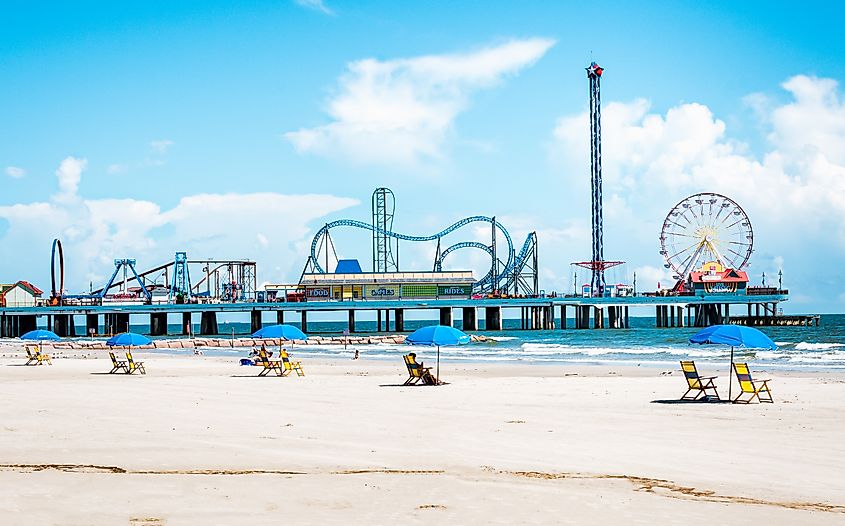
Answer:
(92, 324)
(399, 316)
(254, 321)
(469, 319)
(208, 323)
(446, 316)
(492, 318)
(158, 323)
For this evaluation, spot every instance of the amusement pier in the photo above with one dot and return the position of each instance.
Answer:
(706, 242)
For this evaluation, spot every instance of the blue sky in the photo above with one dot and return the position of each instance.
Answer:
(143, 129)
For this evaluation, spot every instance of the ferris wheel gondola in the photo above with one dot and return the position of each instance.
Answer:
(702, 228)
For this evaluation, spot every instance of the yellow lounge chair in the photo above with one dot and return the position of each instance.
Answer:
(117, 365)
(36, 357)
(417, 373)
(291, 366)
(268, 364)
(132, 365)
(698, 384)
(758, 389)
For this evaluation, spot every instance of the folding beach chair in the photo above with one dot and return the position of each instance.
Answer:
(36, 357)
(268, 364)
(417, 373)
(291, 366)
(750, 388)
(698, 384)
(117, 365)
(132, 365)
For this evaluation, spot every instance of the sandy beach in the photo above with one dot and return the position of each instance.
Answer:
(200, 440)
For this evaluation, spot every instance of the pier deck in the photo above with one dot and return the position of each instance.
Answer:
(535, 313)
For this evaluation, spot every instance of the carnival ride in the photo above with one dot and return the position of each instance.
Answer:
(515, 273)
(222, 281)
(705, 227)
(597, 264)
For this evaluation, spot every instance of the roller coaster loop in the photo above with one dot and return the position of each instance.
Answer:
(513, 261)
(57, 293)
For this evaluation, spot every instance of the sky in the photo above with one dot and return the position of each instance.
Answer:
(135, 130)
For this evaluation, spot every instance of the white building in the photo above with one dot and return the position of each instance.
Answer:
(20, 294)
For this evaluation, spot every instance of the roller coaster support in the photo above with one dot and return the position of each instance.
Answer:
(125, 264)
(180, 291)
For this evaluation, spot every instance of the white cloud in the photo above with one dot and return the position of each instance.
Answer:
(317, 5)
(69, 174)
(114, 169)
(95, 231)
(400, 111)
(161, 146)
(794, 194)
(15, 172)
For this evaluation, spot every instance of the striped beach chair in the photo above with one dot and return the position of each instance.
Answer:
(291, 366)
(36, 357)
(417, 373)
(268, 364)
(132, 365)
(749, 389)
(698, 384)
(117, 365)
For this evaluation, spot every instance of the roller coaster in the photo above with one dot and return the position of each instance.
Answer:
(222, 281)
(515, 274)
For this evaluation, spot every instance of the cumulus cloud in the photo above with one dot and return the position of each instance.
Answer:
(794, 193)
(69, 174)
(95, 231)
(15, 172)
(317, 5)
(160, 146)
(115, 169)
(400, 111)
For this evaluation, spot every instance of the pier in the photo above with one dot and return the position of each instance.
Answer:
(533, 313)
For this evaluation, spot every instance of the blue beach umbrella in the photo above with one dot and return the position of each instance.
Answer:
(282, 331)
(735, 336)
(128, 339)
(437, 335)
(40, 335)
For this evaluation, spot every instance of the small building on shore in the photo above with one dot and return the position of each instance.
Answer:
(19, 294)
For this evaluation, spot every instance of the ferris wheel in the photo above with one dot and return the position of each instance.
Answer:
(705, 227)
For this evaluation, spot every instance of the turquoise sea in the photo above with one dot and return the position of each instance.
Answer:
(798, 347)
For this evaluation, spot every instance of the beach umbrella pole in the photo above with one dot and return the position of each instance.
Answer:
(731, 375)
(438, 364)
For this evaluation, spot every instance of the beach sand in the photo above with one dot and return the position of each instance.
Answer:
(200, 440)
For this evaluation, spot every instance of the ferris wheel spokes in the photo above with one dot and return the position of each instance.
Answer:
(719, 228)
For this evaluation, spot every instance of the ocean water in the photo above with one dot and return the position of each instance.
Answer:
(813, 348)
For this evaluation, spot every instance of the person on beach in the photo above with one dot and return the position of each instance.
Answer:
(355, 357)
(255, 352)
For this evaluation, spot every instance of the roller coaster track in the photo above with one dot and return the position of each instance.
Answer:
(514, 264)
